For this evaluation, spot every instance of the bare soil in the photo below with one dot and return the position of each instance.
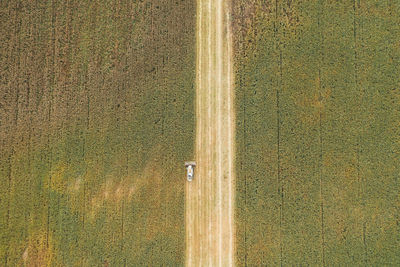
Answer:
(210, 196)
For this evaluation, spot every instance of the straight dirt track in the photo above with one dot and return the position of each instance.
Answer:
(210, 196)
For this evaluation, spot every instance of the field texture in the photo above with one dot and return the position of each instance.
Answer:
(318, 116)
(96, 119)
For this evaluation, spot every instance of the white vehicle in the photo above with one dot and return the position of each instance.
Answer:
(190, 170)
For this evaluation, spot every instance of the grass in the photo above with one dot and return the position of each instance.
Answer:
(97, 116)
(317, 132)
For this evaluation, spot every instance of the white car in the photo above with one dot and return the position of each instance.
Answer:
(190, 170)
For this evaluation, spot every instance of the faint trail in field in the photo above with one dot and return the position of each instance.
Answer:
(209, 198)
(231, 131)
(208, 150)
(219, 104)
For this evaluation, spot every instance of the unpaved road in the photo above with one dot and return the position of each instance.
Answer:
(210, 196)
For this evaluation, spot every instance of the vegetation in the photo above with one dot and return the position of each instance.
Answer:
(96, 118)
(317, 90)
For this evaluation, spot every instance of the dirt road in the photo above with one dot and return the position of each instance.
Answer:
(210, 196)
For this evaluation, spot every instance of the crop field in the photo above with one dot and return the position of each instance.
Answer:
(98, 114)
(318, 119)
(96, 119)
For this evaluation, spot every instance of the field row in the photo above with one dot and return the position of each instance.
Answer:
(97, 116)
(317, 132)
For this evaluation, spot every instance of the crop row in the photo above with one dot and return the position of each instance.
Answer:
(97, 116)
(317, 109)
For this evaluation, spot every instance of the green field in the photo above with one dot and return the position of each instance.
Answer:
(96, 118)
(318, 119)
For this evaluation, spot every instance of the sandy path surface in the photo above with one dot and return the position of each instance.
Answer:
(210, 196)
